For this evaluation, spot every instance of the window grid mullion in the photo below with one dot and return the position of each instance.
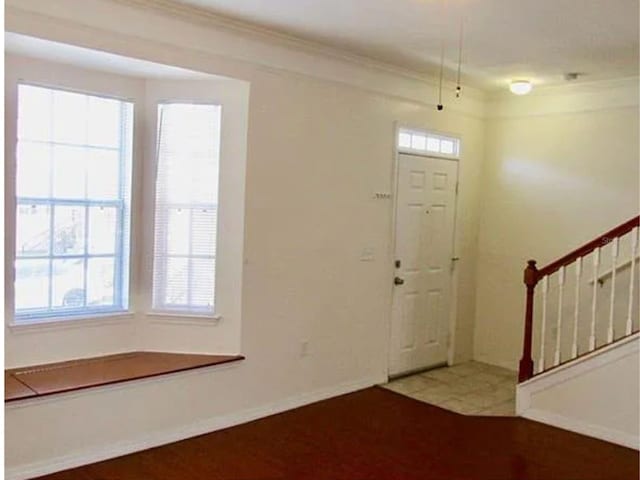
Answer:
(85, 261)
(52, 173)
(53, 143)
(66, 257)
(51, 243)
(68, 202)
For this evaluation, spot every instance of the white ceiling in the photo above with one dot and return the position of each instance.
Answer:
(536, 39)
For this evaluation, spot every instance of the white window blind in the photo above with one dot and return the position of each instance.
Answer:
(73, 170)
(186, 209)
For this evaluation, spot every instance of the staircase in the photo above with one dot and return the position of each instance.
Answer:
(579, 366)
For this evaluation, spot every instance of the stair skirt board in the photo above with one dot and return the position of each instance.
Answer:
(580, 366)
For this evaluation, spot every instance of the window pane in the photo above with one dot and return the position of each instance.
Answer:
(418, 142)
(178, 231)
(69, 117)
(100, 281)
(35, 110)
(68, 233)
(32, 230)
(69, 168)
(446, 146)
(404, 140)
(177, 278)
(104, 122)
(32, 158)
(32, 284)
(68, 282)
(103, 174)
(203, 275)
(433, 144)
(102, 230)
(204, 231)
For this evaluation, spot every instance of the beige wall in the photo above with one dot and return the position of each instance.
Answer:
(319, 145)
(561, 168)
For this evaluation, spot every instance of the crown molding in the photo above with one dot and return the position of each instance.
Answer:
(206, 43)
(567, 98)
(207, 18)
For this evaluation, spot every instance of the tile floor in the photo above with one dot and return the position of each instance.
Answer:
(471, 388)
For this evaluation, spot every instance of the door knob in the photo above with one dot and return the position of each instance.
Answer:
(398, 281)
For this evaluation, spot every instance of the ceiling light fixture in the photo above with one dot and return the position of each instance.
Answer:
(520, 87)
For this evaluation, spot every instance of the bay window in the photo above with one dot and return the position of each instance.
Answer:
(73, 172)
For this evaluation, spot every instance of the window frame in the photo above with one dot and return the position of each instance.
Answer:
(179, 311)
(123, 204)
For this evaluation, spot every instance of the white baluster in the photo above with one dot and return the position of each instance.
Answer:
(634, 248)
(556, 357)
(545, 289)
(594, 299)
(576, 309)
(614, 263)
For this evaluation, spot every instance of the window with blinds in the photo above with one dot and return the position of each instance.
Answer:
(73, 171)
(186, 209)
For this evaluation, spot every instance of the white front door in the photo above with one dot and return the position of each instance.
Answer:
(425, 216)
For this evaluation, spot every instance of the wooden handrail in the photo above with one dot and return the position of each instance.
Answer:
(589, 247)
(532, 275)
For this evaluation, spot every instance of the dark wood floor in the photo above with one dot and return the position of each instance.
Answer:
(374, 434)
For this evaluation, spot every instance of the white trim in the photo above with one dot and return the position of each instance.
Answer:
(209, 41)
(199, 427)
(177, 318)
(583, 428)
(72, 321)
(563, 373)
(613, 351)
(202, 16)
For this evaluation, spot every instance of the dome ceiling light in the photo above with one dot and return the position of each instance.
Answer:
(520, 87)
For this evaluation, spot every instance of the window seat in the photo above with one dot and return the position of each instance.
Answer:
(40, 380)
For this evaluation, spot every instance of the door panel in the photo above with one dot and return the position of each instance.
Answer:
(425, 211)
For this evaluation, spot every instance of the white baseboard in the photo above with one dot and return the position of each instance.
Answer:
(146, 441)
(583, 428)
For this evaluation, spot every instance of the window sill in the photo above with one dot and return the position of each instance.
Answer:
(183, 318)
(71, 321)
(41, 380)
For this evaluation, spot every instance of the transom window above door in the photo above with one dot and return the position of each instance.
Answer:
(423, 142)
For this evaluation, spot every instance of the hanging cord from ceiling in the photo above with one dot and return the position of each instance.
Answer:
(460, 42)
(440, 106)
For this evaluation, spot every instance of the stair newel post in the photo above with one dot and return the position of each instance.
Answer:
(525, 371)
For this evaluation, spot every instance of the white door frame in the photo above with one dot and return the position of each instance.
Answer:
(453, 304)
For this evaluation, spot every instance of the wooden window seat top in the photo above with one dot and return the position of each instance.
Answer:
(41, 380)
